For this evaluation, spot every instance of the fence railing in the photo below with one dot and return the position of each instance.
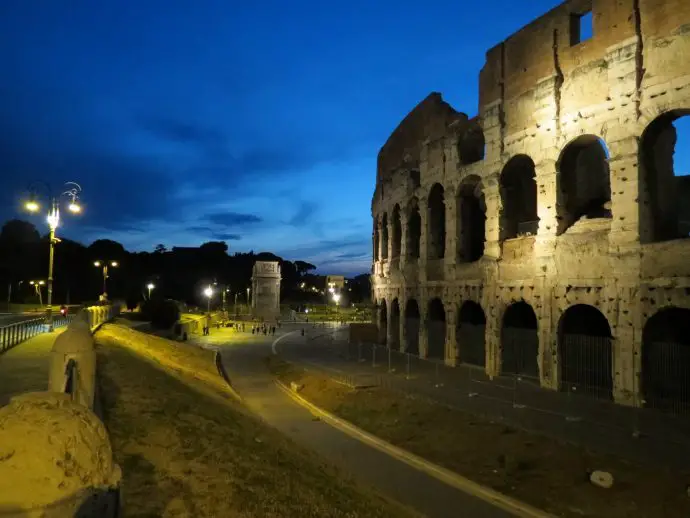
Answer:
(17, 332)
(579, 412)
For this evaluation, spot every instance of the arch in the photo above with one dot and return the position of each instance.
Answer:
(436, 224)
(519, 196)
(665, 369)
(414, 230)
(585, 352)
(664, 181)
(384, 237)
(584, 181)
(397, 231)
(470, 334)
(520, 341)
(472, 145)
(471, 220)
(412, 324)
(383, 321)
(436, 330)
(395, 325)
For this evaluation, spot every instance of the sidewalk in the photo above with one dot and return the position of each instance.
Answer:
(25, 367)
(591, 424)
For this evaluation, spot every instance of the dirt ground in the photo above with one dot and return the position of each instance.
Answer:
(187, 448)
(538, 470)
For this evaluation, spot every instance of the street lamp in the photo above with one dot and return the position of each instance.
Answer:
(53, 218)
(37, 287)
(336, 299)
(209, 293)
(150, 286)
(105, 264)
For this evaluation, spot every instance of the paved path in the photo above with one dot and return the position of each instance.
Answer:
(24, 368)
(244, 362)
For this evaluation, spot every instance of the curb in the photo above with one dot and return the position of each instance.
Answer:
(506, 503)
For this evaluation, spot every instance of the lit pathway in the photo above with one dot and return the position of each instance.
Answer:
(243, 358)
(24, 368)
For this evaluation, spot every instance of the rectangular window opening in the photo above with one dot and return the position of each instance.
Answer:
(581, 27)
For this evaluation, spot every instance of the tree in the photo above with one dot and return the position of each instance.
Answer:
(303, 267)
(160, 248)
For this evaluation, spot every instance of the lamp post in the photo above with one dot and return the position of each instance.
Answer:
(336, 299)
(53, 218)
(105, 264)
(248, 290)
(37, 287)
(209, 293)
(236, 305)
(150, 286)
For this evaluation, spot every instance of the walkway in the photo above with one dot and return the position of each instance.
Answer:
(243, 357)
(24, 368)
(594, 425)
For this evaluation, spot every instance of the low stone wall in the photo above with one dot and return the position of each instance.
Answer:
(58, 459)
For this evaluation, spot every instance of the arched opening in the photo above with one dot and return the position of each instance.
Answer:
(384, 237)
(471, 145)
(383, 321)
(437, 223)
(666, 360)
(584, 181)
(412, 327)
(415, 179)
(471, 220)
(395, 325)
(666, 177)
(584, 338)
(519, 195)
(376, 240)
(397, 232)
(414, 231)
(470, 334)
(520, 341)
(436, 330)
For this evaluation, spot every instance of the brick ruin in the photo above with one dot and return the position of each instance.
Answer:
(545, 237)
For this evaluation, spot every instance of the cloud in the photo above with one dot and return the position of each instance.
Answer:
(232, 219)
(304, 215)
(179, 131)
(226, 237)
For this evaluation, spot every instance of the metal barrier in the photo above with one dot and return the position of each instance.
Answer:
(13, 334)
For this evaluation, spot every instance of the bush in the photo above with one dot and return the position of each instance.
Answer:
(161, 313)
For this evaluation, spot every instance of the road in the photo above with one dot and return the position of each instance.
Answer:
(414, 489)
(12, 318)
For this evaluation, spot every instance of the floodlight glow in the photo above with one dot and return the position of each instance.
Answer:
(208, 292)
(32, 206)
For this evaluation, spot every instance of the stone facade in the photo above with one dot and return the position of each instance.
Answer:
(552, 218)
(266, 290)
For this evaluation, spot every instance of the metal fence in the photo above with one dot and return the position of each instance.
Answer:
(582, 411)
(13, 334)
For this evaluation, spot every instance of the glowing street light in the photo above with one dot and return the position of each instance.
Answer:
(37, 287)
(105, 264)
(53, 218)
(209, 293)
(336, 299)
(150, 286)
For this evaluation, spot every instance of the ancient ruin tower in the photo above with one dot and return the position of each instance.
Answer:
(266, 290)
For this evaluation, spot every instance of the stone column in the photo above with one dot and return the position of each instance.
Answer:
(403, 331)
(403, 241)
(451, 228)
(451, 342)
(625, 225)
(547, 210)
(391, 237)
(423, 252)
(379, 227)
(492, 199)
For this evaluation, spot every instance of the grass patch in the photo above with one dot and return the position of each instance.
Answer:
(538, 470)
(187, 449)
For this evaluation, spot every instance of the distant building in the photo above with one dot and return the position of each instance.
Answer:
(337, 282)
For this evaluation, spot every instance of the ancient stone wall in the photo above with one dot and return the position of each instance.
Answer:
(559, 194)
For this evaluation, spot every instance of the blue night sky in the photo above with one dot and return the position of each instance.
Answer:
(190, 121)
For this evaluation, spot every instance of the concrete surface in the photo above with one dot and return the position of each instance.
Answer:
(244, 362)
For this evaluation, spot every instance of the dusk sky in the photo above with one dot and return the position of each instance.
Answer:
(190, 121)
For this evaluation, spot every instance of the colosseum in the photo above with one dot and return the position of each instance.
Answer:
(546, 237)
